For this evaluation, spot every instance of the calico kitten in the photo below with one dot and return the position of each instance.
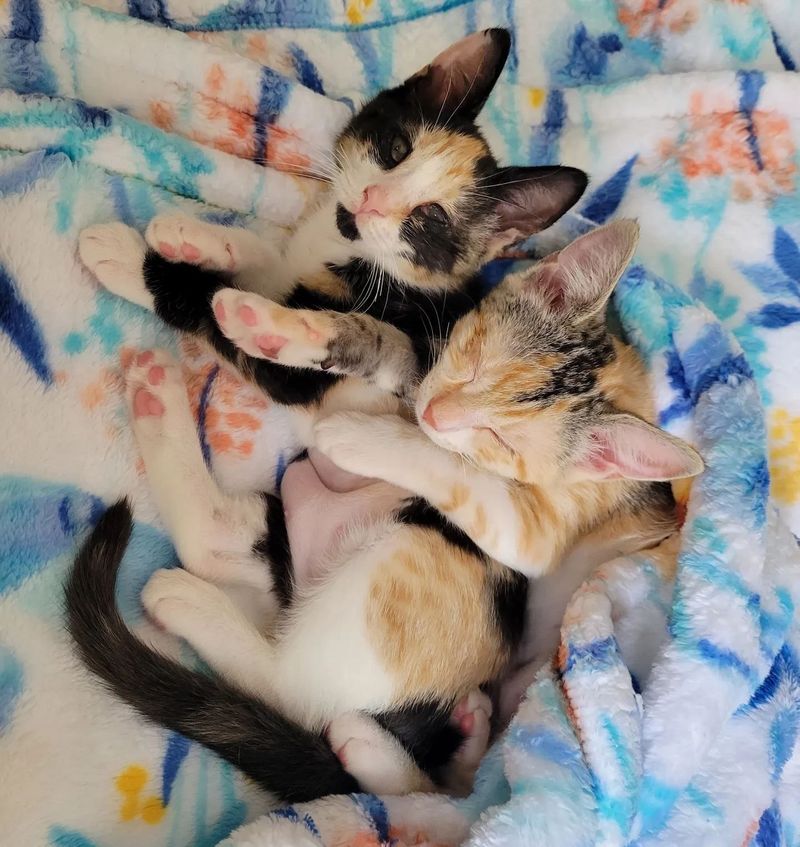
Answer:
(417, 205)
(533, 433)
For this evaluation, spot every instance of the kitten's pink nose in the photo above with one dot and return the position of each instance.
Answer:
(445, 414)
(374, 201)
(428, 417)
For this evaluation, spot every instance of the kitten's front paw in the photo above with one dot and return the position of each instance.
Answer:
(373, 756)
(360, 443)
(180, 238)
(182, 603)
(114, 253)
(156, 395)
(267, 330)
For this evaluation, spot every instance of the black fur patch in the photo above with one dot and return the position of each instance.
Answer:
(292, 763)
(418, 512)
(419, 314)
(183, 294)
(346, 223)
(436, 245)
(577, 375)
(273, 548)
(425, 731)
(510, 601)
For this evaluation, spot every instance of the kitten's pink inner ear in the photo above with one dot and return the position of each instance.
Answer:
(461, 77)
(582, 275)
(628, 448)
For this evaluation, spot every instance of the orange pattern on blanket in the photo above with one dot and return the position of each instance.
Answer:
(649, 18)
(162, 115)
(713, 142)
(235, 408)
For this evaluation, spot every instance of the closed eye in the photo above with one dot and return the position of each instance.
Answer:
(431, 213)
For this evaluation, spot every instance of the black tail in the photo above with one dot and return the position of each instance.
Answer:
(290, 762)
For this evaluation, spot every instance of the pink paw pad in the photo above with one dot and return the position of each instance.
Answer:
(146, 405)
(190, 252)
(219, 311)
(144, 359)
(167, 250)
(467, 724)
(248, 316)
(270, 345)
(156, 374)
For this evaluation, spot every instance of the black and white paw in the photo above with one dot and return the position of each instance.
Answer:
(114, 253)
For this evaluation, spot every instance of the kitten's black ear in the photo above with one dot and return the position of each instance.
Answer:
(531, 199)
(579, 278)
(458, 81)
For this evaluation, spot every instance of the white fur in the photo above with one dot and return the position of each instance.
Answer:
(399, 452)
(114, 254)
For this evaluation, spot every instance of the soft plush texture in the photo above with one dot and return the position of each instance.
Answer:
(687, 116)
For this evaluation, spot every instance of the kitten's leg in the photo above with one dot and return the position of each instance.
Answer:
(374, 756)
(115, 253)
(473, 717)
(497, 515)
(205, 617)
(383, 766)
(214, 532)
(343, 343)
(181, 238)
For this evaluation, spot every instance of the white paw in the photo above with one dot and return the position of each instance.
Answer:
(472, 716)
(358, 442)
(183, 604)
(267, 330)
(374, 756)
(114, 253)
(157, 398)
(180, 238)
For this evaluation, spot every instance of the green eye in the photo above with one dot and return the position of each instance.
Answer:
(398, 148)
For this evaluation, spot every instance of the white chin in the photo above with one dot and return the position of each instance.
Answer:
(456, 440)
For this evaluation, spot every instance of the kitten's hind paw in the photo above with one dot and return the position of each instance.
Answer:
(374, 756)
(184, 604)
(472, 715)
(114, 253)
(266, 330)
(180, 238)
(157, 398)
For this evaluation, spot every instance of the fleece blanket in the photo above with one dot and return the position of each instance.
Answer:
(671, 714)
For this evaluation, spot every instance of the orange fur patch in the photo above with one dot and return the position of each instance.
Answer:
(426, 595)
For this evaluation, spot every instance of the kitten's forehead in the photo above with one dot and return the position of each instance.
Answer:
(443, 166)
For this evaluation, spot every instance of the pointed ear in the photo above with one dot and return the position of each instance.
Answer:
(581, 277)
(531, 199)
(626, 447)
(459, 80)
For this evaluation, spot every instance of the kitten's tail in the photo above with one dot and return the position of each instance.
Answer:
(290, 762)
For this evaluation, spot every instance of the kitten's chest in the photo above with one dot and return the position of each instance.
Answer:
(318, 518)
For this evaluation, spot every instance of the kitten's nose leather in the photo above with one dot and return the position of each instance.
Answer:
(428, 417)
(373, 201)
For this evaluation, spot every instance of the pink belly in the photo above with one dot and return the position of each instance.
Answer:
(318, 512)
